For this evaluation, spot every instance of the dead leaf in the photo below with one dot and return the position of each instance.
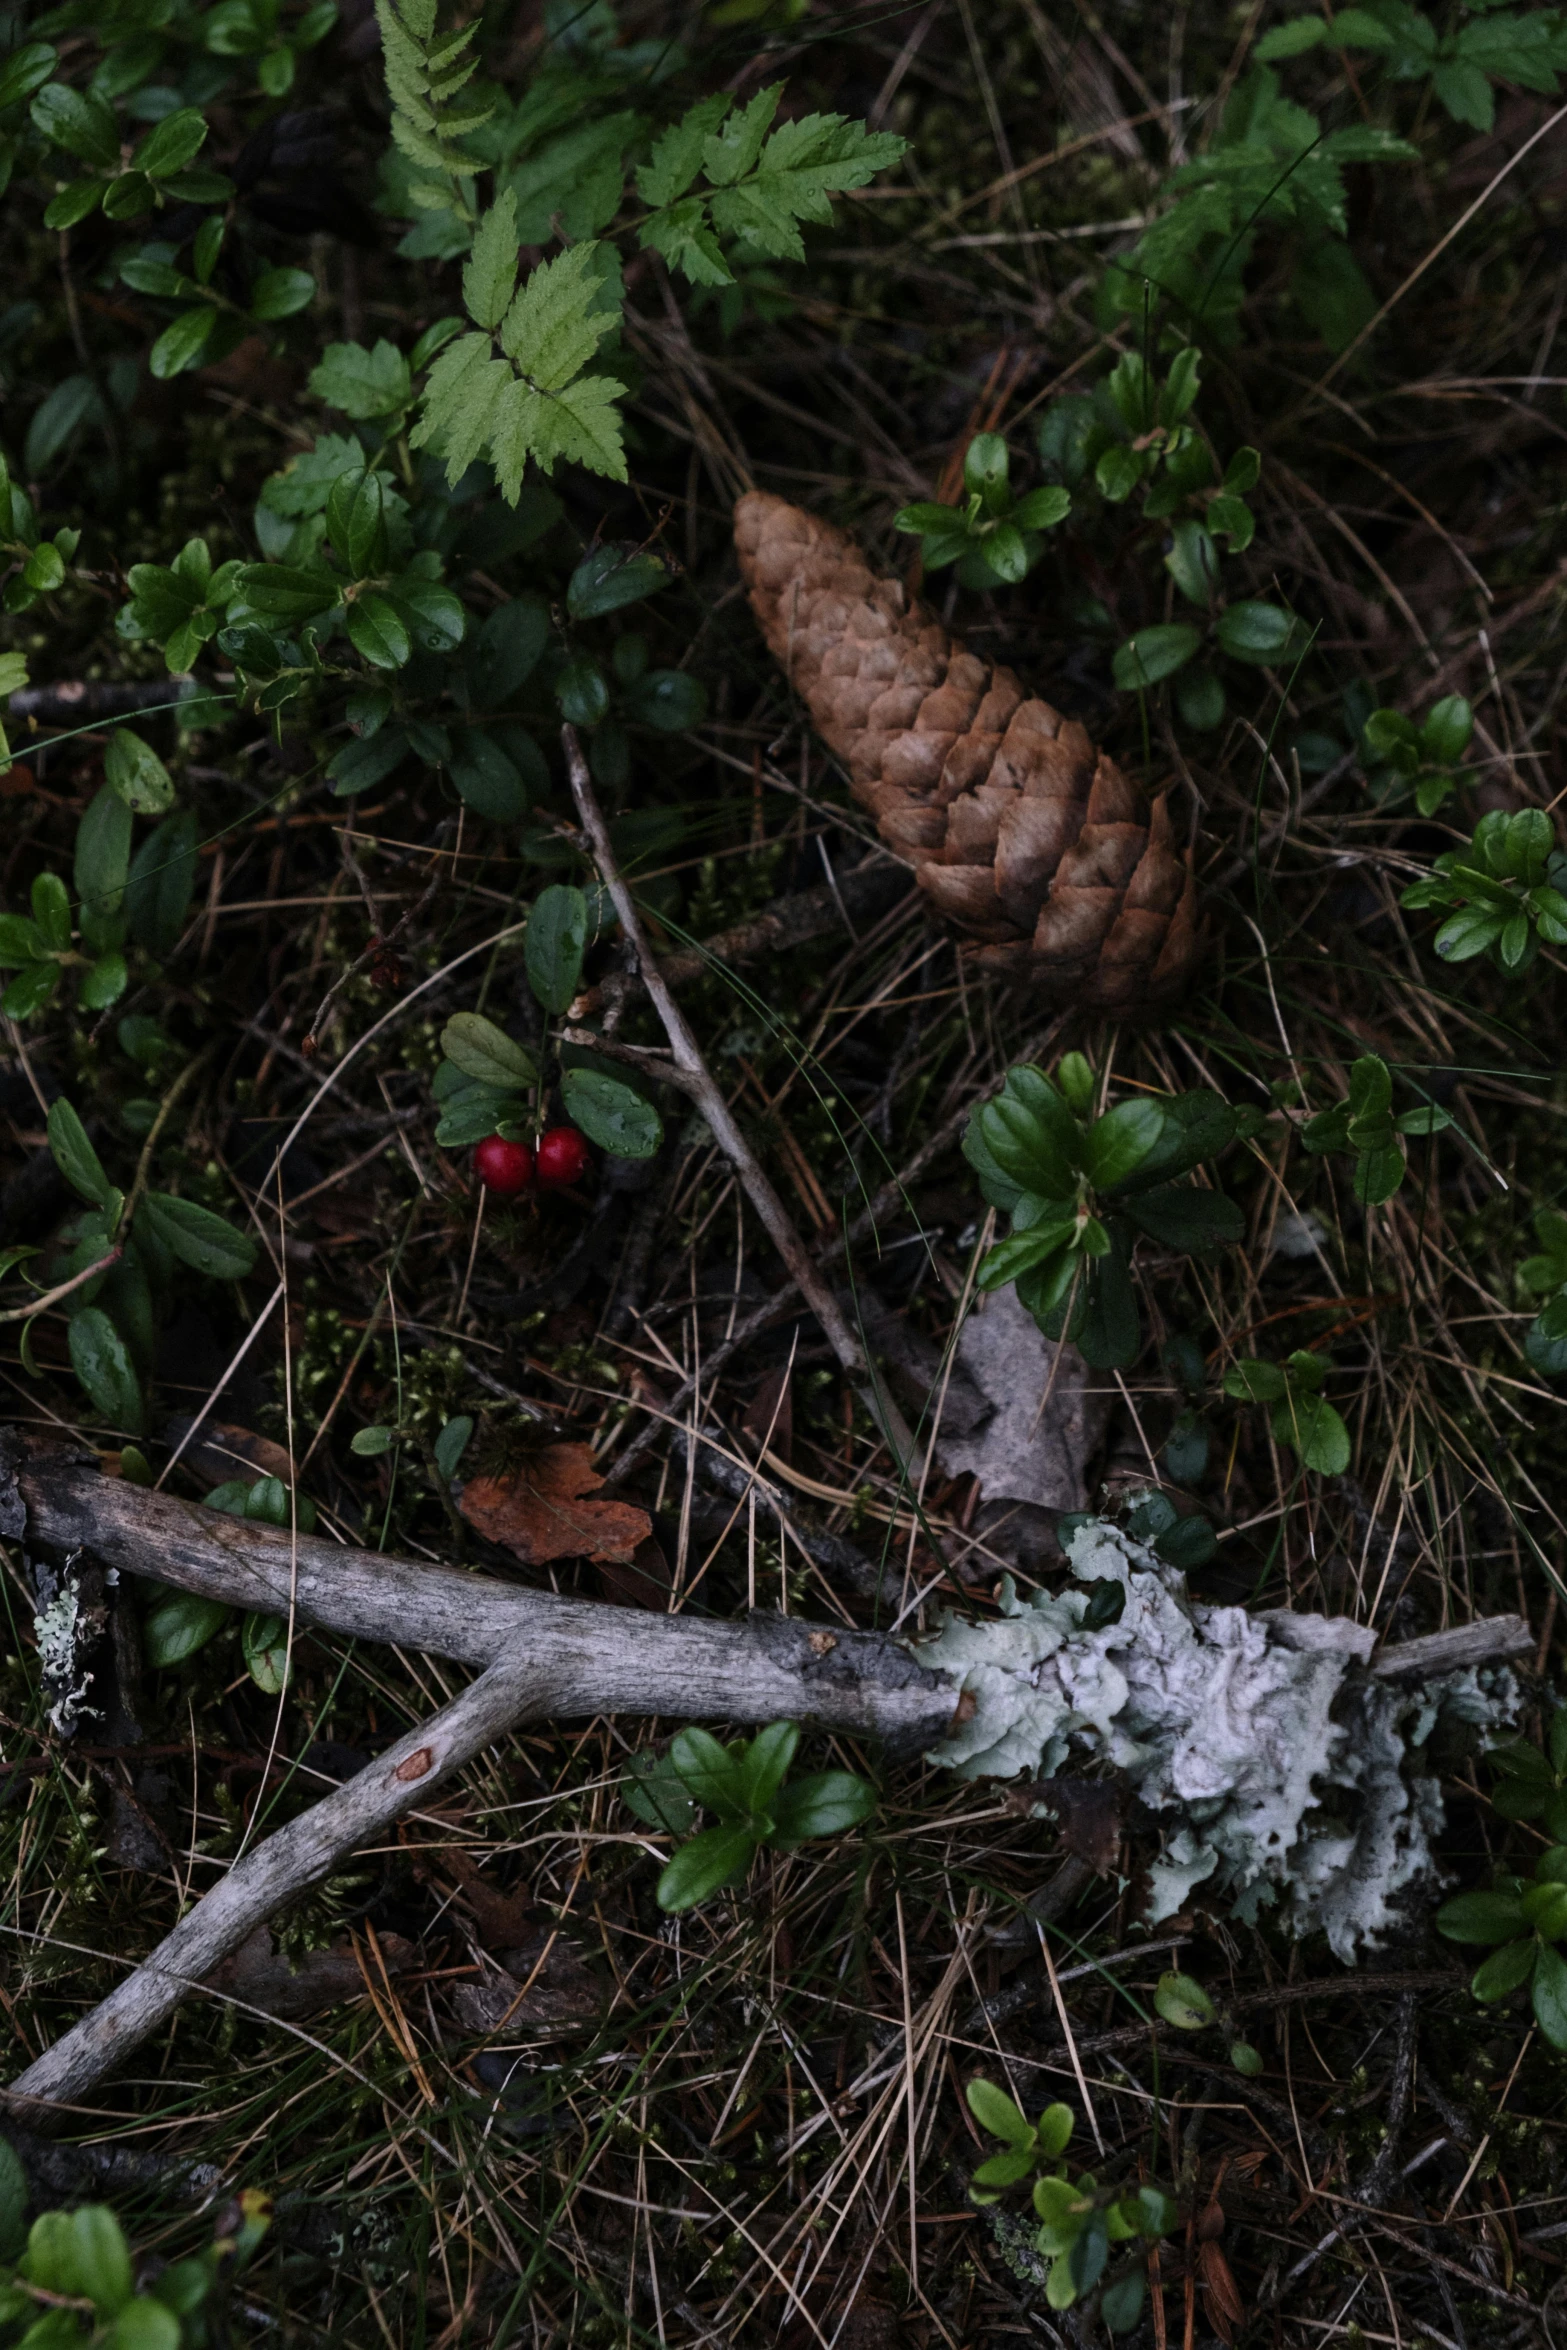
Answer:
(1221, 2301)
(541, 1511)
(1089, 1811)
(501, 1919)
(645, 1582)
(224, 1452)
(135, 1839)
(1026, 1449)
(527, 1996)
(769, 1417)
(265, 1977)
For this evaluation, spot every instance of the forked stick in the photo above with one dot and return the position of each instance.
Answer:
(278, 1870)
(543, 1656)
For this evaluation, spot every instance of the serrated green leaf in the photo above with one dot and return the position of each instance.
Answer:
(489, 278)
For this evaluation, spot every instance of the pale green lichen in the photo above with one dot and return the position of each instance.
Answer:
(1277, 1768)
(55, 1629)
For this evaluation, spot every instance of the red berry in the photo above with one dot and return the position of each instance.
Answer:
(563, 1156)
(506, 1167)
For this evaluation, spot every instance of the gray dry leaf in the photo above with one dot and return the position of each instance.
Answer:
(262, 1976)
(525, 1996)
(1025, 1449)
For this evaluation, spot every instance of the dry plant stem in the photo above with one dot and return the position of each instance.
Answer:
(698, 1081)
(277, 1871)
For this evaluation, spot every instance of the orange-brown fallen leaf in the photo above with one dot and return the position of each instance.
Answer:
(545, 1510)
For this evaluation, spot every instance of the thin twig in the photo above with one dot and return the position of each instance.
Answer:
(698, 1081)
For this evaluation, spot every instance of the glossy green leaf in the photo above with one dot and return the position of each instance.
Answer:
(264, 1644)
(608, 577)
(654, 1792)
(1481, 1917)
(75, 1157)
(1550, 1995)
(1184, 2003)
(452, 1443)
(101, 2258)
(1154, 654)
(200, 1239)
(102, 1362)
(996, 2112)
(670, 699)
(104, 982)
(486, 779)
(179, 1626)
(1121, 2302)
(51, 904)
(1121, 1140)
(710, 1771)
(80, 123)
(376, 631)
(162, 883)
(279, 293)
(824, 1803)
(182, 342)
(102, 862)
(704, 1866)
(145, 2324)
(615, 1116)
(137, 775)
(486, 1053)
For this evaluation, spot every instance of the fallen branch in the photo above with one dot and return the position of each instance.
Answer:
(542, 1654)
(277, 1871)
(598, 1658)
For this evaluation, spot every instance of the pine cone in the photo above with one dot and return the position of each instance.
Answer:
(1019, 831)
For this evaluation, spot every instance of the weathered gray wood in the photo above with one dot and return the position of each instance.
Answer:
(542, 1654)
(276, 1872)
(599, 1659)
(1494, 1640)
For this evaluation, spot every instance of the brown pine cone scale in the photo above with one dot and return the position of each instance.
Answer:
(1022, 834)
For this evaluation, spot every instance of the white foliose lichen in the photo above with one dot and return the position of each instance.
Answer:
(1278, 1768)
(55, 1629)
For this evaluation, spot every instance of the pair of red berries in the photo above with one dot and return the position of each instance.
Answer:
(509, 1167)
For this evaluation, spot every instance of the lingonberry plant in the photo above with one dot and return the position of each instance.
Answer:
(747, 1786)
(1364, 1124)
(1082, 1184)
(1503, 893)
(1299, 1414)
(1081, 2218)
